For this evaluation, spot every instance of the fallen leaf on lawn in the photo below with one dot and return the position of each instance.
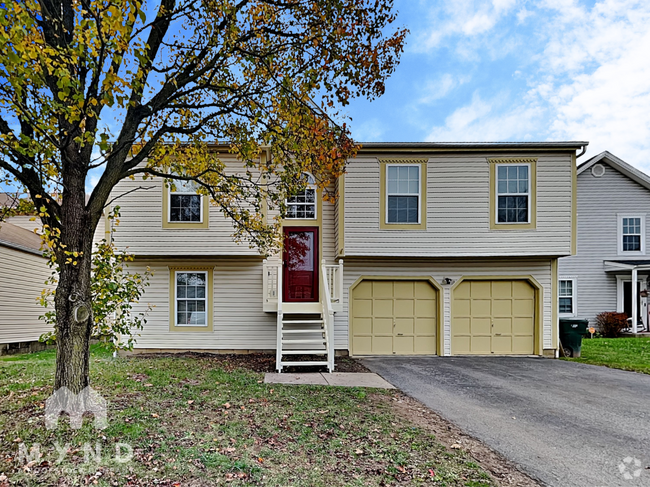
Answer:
(191, 401)
(227, 405)
(455, 446)
(154, 415)
(260, 459)
(358, 451)
(401, 469)
(432, 472)
(148, 385)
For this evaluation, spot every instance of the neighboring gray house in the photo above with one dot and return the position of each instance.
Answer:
(611, 269)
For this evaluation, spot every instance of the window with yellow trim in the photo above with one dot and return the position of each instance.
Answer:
(190, 299)
(513, 193)
(403, 195)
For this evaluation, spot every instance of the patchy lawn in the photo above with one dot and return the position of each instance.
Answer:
(194, 421)
(619, 353)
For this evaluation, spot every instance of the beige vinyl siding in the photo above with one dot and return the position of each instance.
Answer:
(140, 227)
(238, 319)
(539, 269)
(599, 202)
(22, 278)
(458, 205)
(328, 232)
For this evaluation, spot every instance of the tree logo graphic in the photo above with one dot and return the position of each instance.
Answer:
(65, 401)
(630, 468)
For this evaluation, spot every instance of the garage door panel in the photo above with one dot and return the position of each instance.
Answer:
(523, 326)
(523, 307)
(405, 308)
(502, 307)
(382, 326)
(522, 345)
(481, 326)
(363, 308)
(394, 317)
(425, 308)
(493, 317)
(363, 326)
(462, 326)
(404, 345)
(383, 308)
(502, 344)
(382, 289)
(425, 345)
(382, 345)
(502, 326)
(405, 326)
(480, 344)
(481, 290)
(480, 307)
(460, 344)
(425, 326)
(404, 289)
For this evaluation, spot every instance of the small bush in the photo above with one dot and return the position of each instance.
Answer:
(611, 324)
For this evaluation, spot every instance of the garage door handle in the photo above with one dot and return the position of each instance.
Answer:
(498, 334)
(400, 334)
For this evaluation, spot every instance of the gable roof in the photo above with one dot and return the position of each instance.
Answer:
(620, 165)
(18, 238)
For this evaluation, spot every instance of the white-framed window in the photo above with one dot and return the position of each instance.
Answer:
(567, 296)
(631, 234)
(513, 193)
(403, 193)
(185, 204)
(303, 205)
(191, 298)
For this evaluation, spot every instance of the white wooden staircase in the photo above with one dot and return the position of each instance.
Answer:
(304, 329)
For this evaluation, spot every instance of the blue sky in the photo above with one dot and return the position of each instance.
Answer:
(516, 70)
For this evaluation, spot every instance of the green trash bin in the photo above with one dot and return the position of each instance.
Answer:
(571, 333)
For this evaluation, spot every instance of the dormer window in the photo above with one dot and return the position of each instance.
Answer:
(302, 206)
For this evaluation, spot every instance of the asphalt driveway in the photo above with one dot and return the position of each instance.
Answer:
(565, 424)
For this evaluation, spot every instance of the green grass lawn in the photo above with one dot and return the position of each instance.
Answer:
(193, 421)
(619, 353)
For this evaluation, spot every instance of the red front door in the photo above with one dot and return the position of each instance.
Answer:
(300, 264)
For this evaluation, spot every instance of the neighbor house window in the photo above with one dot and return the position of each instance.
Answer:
(513, 193)
(302, 206)
(567, 296)
(403, 193)
(185, 204)
(631, 234)
(191, 298)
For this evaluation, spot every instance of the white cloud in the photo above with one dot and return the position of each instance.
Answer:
(588, 78)
(370, 130)
(441, 87)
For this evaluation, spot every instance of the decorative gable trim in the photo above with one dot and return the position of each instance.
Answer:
(403, 160)
(512, 160)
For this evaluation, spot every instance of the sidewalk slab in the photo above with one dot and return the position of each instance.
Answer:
(308, 378)
(339, 379)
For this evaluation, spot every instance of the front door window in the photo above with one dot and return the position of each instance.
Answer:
(300, 264)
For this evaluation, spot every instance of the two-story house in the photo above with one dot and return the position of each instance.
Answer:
(431, 248)
(610, 270)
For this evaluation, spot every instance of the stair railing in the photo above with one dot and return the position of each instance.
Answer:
(328, 314)
(278, 350)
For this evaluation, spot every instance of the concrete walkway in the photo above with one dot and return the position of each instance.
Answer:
(341, 379)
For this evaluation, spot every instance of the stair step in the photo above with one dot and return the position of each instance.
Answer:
(296, 342)
(285, 364)
(301, 322)
(304, 352)
(312, 330)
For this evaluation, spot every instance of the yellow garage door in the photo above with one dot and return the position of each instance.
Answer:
(493, 317)
(394, 318)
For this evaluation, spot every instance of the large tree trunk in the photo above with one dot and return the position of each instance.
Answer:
(74, 325)
(73, 300)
